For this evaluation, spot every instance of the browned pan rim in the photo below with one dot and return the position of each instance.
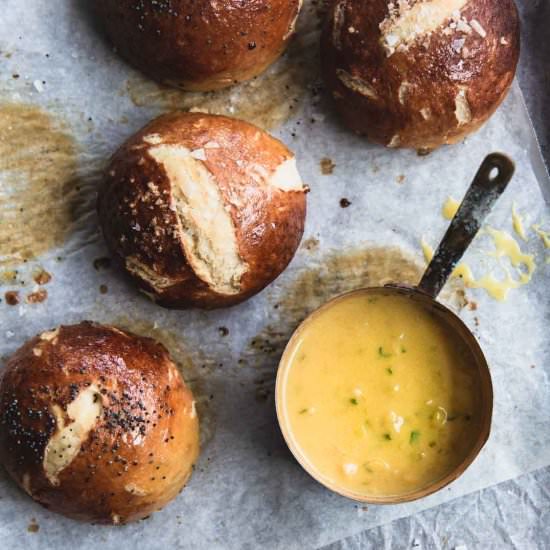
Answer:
(485, 412)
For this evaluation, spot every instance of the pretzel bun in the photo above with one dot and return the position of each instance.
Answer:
(97, 423)
(421, 73)
(202, 210)
(199, 45)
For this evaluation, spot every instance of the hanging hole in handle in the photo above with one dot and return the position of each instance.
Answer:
(494, 173)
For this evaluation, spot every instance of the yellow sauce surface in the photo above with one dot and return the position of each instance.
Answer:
(378, 396)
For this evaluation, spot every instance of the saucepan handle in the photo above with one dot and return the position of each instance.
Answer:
(491, 180)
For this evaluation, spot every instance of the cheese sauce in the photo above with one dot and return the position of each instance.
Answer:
(450, 208)
(378, 396)
(544, 235)
(518, 225)
(506, 248)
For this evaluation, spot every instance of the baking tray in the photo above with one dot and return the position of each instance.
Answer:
(67, 101)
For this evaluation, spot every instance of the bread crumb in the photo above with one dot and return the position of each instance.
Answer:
(344, 203)
(12, 297)
(42, 277)
(311, 244)
(327, 166)
(33, 527)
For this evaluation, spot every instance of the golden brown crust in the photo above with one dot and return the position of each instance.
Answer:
(139, 221)
(199, 45)
(140, 451)
(412, 95)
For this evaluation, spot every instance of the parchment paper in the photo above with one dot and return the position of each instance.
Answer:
(247, 491)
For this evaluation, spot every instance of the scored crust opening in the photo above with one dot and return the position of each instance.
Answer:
(65, 443)
(206, 228)
(148, 274)
(286, 176)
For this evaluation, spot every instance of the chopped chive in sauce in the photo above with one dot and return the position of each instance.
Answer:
(372, 300)
(387, 437)
(354, 401)
(303, 411)
(383, 353)
(403, 349)
(415, 436)
(432, 444)
(368, 469)
(389, 370)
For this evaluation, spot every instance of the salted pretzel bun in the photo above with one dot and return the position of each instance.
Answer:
(97, 423)
(419, 73)
(202, 210)
(199, 45)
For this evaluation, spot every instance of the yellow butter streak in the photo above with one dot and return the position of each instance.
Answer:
(427, 250)
(517, 223)
(506, 247)
(450, 208)
(544, 235)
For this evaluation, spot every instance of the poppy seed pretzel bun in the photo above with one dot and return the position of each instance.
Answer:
(97, 423)
(202, 210)
(199, 45)
(419, 73)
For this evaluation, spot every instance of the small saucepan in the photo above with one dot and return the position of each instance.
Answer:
(490, 182)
